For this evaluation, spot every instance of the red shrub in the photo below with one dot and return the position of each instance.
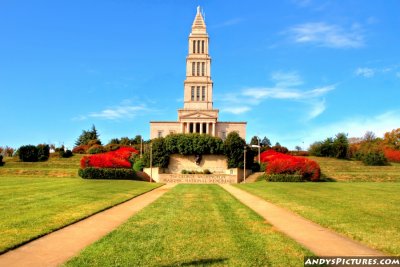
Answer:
(278, 163)
(392, 155)
(114, 159)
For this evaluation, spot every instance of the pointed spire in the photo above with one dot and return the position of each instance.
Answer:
(199, 26)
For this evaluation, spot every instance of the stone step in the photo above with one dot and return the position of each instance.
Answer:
(198, 178)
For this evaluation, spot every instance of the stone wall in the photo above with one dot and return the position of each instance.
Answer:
(213, 163)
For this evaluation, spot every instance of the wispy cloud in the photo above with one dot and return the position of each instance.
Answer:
(118, 112)
(365, 72)
(327, 35)
(368, 72)
(356, 126)
(286, 79)
(235, 110)
(285, 88)
(125, 110)
(228, 23)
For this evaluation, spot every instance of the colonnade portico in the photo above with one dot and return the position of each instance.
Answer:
(199, 127)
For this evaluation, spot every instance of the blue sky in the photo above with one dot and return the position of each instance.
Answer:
(297, 71)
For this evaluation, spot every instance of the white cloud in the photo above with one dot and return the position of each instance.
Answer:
(355, 126)
(283, 89)
(327, 35)
(235, 110)
(286, 79)
(118, 112)
(365, 72)
(283, 93)
(125, 110)
(318, 107)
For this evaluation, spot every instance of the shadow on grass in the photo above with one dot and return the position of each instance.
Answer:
(325, 178)
(200, 262)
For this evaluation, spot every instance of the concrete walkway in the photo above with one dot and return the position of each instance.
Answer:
(253, 177)
(57, 247)
(321, 241)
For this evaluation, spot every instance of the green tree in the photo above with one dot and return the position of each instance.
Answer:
(340, 146)
(125, 141)
(87, 136)
(114, 141)
(137, 139)
(266, 142)
(255, 140)
(234, 147)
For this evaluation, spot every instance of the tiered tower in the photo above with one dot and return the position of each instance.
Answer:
(198, 114)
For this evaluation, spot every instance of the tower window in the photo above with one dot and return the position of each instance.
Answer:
(194, 46)
(198, 46)
(192, 93)
(198, 68)
(202, 47)
(198, 93)
(202, 68)
(203, 93)
(193, 68)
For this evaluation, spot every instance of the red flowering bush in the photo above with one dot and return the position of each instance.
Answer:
(279, 163)
(392, 155)
(114, 159)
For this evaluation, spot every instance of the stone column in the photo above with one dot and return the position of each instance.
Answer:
(207, 128)
(182, 127)
(187, 127)
(201, 128)
(214, 130)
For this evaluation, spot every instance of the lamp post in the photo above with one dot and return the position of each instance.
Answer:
(151, 162)
(259, 157)
(244, 163)
(141, 146)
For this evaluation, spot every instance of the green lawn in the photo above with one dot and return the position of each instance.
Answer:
(33, 206)
(194, 225)
(55, 167)
(356, 171)
(367, 211)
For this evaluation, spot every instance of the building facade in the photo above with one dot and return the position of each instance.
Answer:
(198, 114)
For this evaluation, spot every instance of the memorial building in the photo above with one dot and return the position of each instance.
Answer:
(198, 114)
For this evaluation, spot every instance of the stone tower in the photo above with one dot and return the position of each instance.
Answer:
(198, 114)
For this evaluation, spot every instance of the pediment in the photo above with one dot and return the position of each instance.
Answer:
(198, 115)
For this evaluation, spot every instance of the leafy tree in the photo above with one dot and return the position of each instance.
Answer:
(266, 142)
(87, 136)
(114, 141)
(28, 153)
(340, 146)
(233, 147)
(125, 141)
(255, 140)
(392, 139)
(43, 152)
(298, 148)
(137, 139)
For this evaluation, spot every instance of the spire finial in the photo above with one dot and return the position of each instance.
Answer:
(198, 9)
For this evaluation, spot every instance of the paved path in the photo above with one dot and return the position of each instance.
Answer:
(57, 247)
(253, 177)
(321, 241)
